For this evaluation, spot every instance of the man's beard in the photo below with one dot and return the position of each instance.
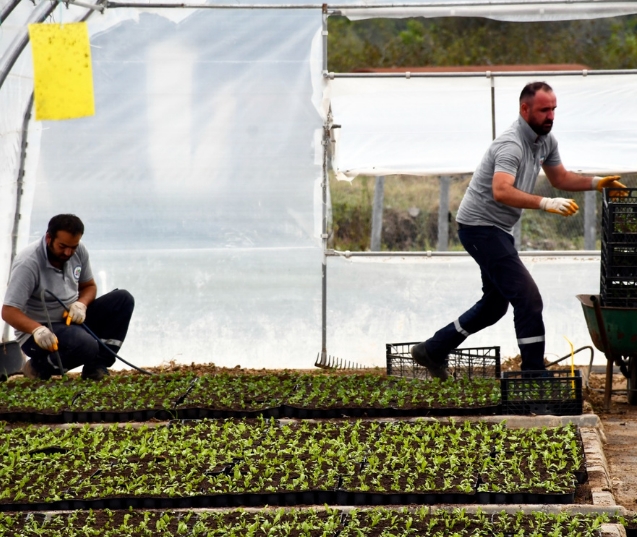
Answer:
(54, 258)
(543, 128)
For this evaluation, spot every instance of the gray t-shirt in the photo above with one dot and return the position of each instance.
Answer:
(519, 152)
(31, 272)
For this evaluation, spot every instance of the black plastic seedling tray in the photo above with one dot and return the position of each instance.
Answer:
(557, 393)
(478, 362)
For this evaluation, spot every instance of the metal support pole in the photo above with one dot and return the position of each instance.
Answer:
(324, 186)
(443, 214)
(590, 220)
(377, 214)
(18, 195)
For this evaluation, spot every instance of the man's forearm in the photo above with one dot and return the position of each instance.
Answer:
(18, 320)
(574, 182)
(87, 292)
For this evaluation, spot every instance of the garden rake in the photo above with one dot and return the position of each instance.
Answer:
(331, 362)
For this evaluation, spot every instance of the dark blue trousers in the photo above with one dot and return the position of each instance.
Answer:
(505, 280)
(107, 316)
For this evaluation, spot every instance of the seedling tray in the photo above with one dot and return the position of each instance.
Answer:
(542, 392)
(140, 398)
(619, 216)
(478, 362)
(524, 498)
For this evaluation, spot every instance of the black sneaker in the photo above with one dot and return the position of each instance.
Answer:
(94, 373)
(436, 370)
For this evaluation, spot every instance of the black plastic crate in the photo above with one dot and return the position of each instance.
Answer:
(479, 362)
(619, 216)
(618, 275)
(618, 271)
(619, 260)
(618, 291)
(558, 393)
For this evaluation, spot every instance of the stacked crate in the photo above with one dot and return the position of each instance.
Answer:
(618, 278)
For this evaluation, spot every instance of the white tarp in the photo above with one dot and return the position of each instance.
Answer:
(442, 125)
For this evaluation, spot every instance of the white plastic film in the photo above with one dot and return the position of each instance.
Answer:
(372, 302)
(410, 126)
(196, 183)
(434, 126)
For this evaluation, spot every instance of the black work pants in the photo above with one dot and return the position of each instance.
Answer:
(505, 280)
(107, 316)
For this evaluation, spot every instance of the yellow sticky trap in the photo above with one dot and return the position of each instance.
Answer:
(63, 77)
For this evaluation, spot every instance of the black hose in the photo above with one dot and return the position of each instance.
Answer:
(48, 321)
(99, 341)
(590, 365)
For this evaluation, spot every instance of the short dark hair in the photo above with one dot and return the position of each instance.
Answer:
(529, 91)
(65, 222)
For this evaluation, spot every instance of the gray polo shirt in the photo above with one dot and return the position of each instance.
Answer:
(31, 272)
(518, 151)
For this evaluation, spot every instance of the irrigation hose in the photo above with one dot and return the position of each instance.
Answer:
(590, 368)
(55, 353)
(99, 341)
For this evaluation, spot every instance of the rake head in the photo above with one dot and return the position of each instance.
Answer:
(331, 362)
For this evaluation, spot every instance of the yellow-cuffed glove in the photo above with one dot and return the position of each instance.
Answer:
(610, 181)
(45, 339)
(76, 313)
(561, 206)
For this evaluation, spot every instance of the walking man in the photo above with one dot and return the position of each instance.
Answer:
(500, 188)
(59, 264)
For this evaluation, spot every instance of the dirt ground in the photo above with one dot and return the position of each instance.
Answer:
(620, 429)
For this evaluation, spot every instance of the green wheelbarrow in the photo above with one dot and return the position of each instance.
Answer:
(614, 332)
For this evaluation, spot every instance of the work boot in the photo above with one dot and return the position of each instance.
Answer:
(437, 370)
(94, 373)
(29, 371)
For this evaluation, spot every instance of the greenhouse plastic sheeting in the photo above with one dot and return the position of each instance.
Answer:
(199, 183)
(432, 126)
(196, 180)
(372, 302)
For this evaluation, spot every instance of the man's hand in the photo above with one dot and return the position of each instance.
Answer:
(76, 313)
(562, 206)
(610, 181)
(45, 338)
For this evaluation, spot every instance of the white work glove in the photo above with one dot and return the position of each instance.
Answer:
(45, 338)
(562, 206)
(76, 313)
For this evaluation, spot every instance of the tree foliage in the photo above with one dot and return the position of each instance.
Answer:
(599, 44)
